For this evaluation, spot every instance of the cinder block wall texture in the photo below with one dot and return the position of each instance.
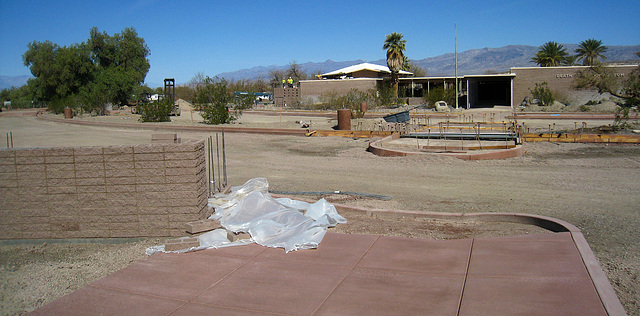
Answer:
(559, 79)
(101, 192)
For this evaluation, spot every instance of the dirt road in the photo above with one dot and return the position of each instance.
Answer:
(594, 187)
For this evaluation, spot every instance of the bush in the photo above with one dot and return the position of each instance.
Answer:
(244, 101)
(212, 99)
(584, 108)
(560, 97)
(440, 94)
(156, 111)
(384, 93)
(542, 93)
(351, 100)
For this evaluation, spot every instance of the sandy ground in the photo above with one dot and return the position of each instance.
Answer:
(594, 187)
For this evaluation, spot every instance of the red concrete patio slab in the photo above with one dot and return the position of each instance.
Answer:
(390, 292)
(552, 255)
(92, 300)
(275, 287)
(199, 309)
(172, 276)
(354, 275)
(539, 274)
(334, 251)
(439, 257)
(530, 296)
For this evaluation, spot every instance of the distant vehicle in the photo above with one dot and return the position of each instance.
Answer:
(261, 97)
(441, 106)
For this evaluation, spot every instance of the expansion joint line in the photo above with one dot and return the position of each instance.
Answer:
(345, 276)
(187, 301)
(466, 273)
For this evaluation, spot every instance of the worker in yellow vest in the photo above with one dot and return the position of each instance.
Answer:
(283, 83)
(290, 81)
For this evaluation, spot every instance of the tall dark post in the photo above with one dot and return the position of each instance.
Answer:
(170, 89)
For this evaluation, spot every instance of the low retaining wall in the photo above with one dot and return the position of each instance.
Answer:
(101, 192)
(376, 149)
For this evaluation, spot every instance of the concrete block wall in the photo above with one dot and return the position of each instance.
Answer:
(559, 79)
(102, 192)
(313, 89)
(287, 96)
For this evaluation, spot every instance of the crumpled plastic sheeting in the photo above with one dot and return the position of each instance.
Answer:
(285, 223)
(214, 239)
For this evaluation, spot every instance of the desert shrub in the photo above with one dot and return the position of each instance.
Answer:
(560, 97)
(212, 98)
(156, 111)
(243, 102)
(542, 93)
(384, 94)
(351, 100)
(440, 94)
(585, 108)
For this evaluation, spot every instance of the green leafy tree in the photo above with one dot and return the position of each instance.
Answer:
(121, 61)
(571, 60)
(212, 98)
(591, 52)
(395, 46)
(105, 69)
(244, 101)
(60, 71)
(40, 58)
(21, 97)
(550, 54)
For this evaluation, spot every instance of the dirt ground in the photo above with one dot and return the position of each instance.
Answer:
(594, 187)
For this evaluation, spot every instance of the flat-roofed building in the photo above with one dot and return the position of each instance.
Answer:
(474, 91)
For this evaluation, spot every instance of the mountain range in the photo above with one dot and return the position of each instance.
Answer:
(7, 82)
(470, 62)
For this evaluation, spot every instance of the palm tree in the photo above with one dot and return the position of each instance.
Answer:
(571, 60)
(395, 46)
(591, 52)
(550, 54)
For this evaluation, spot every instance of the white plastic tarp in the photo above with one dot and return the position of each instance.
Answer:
(279, 223)
(284, 223)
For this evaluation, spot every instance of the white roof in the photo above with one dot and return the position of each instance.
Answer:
(363, 66)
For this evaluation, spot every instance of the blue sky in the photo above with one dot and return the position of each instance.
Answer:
(187, 37)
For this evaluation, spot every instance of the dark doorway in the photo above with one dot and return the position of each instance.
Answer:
(486, 92)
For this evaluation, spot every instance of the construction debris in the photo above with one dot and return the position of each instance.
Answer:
(204, 225)
(181, 243)
(249, 214)
(237, 236)
(165, 138)
(278, 223)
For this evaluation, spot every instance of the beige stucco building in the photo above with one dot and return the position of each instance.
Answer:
(506, 89)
